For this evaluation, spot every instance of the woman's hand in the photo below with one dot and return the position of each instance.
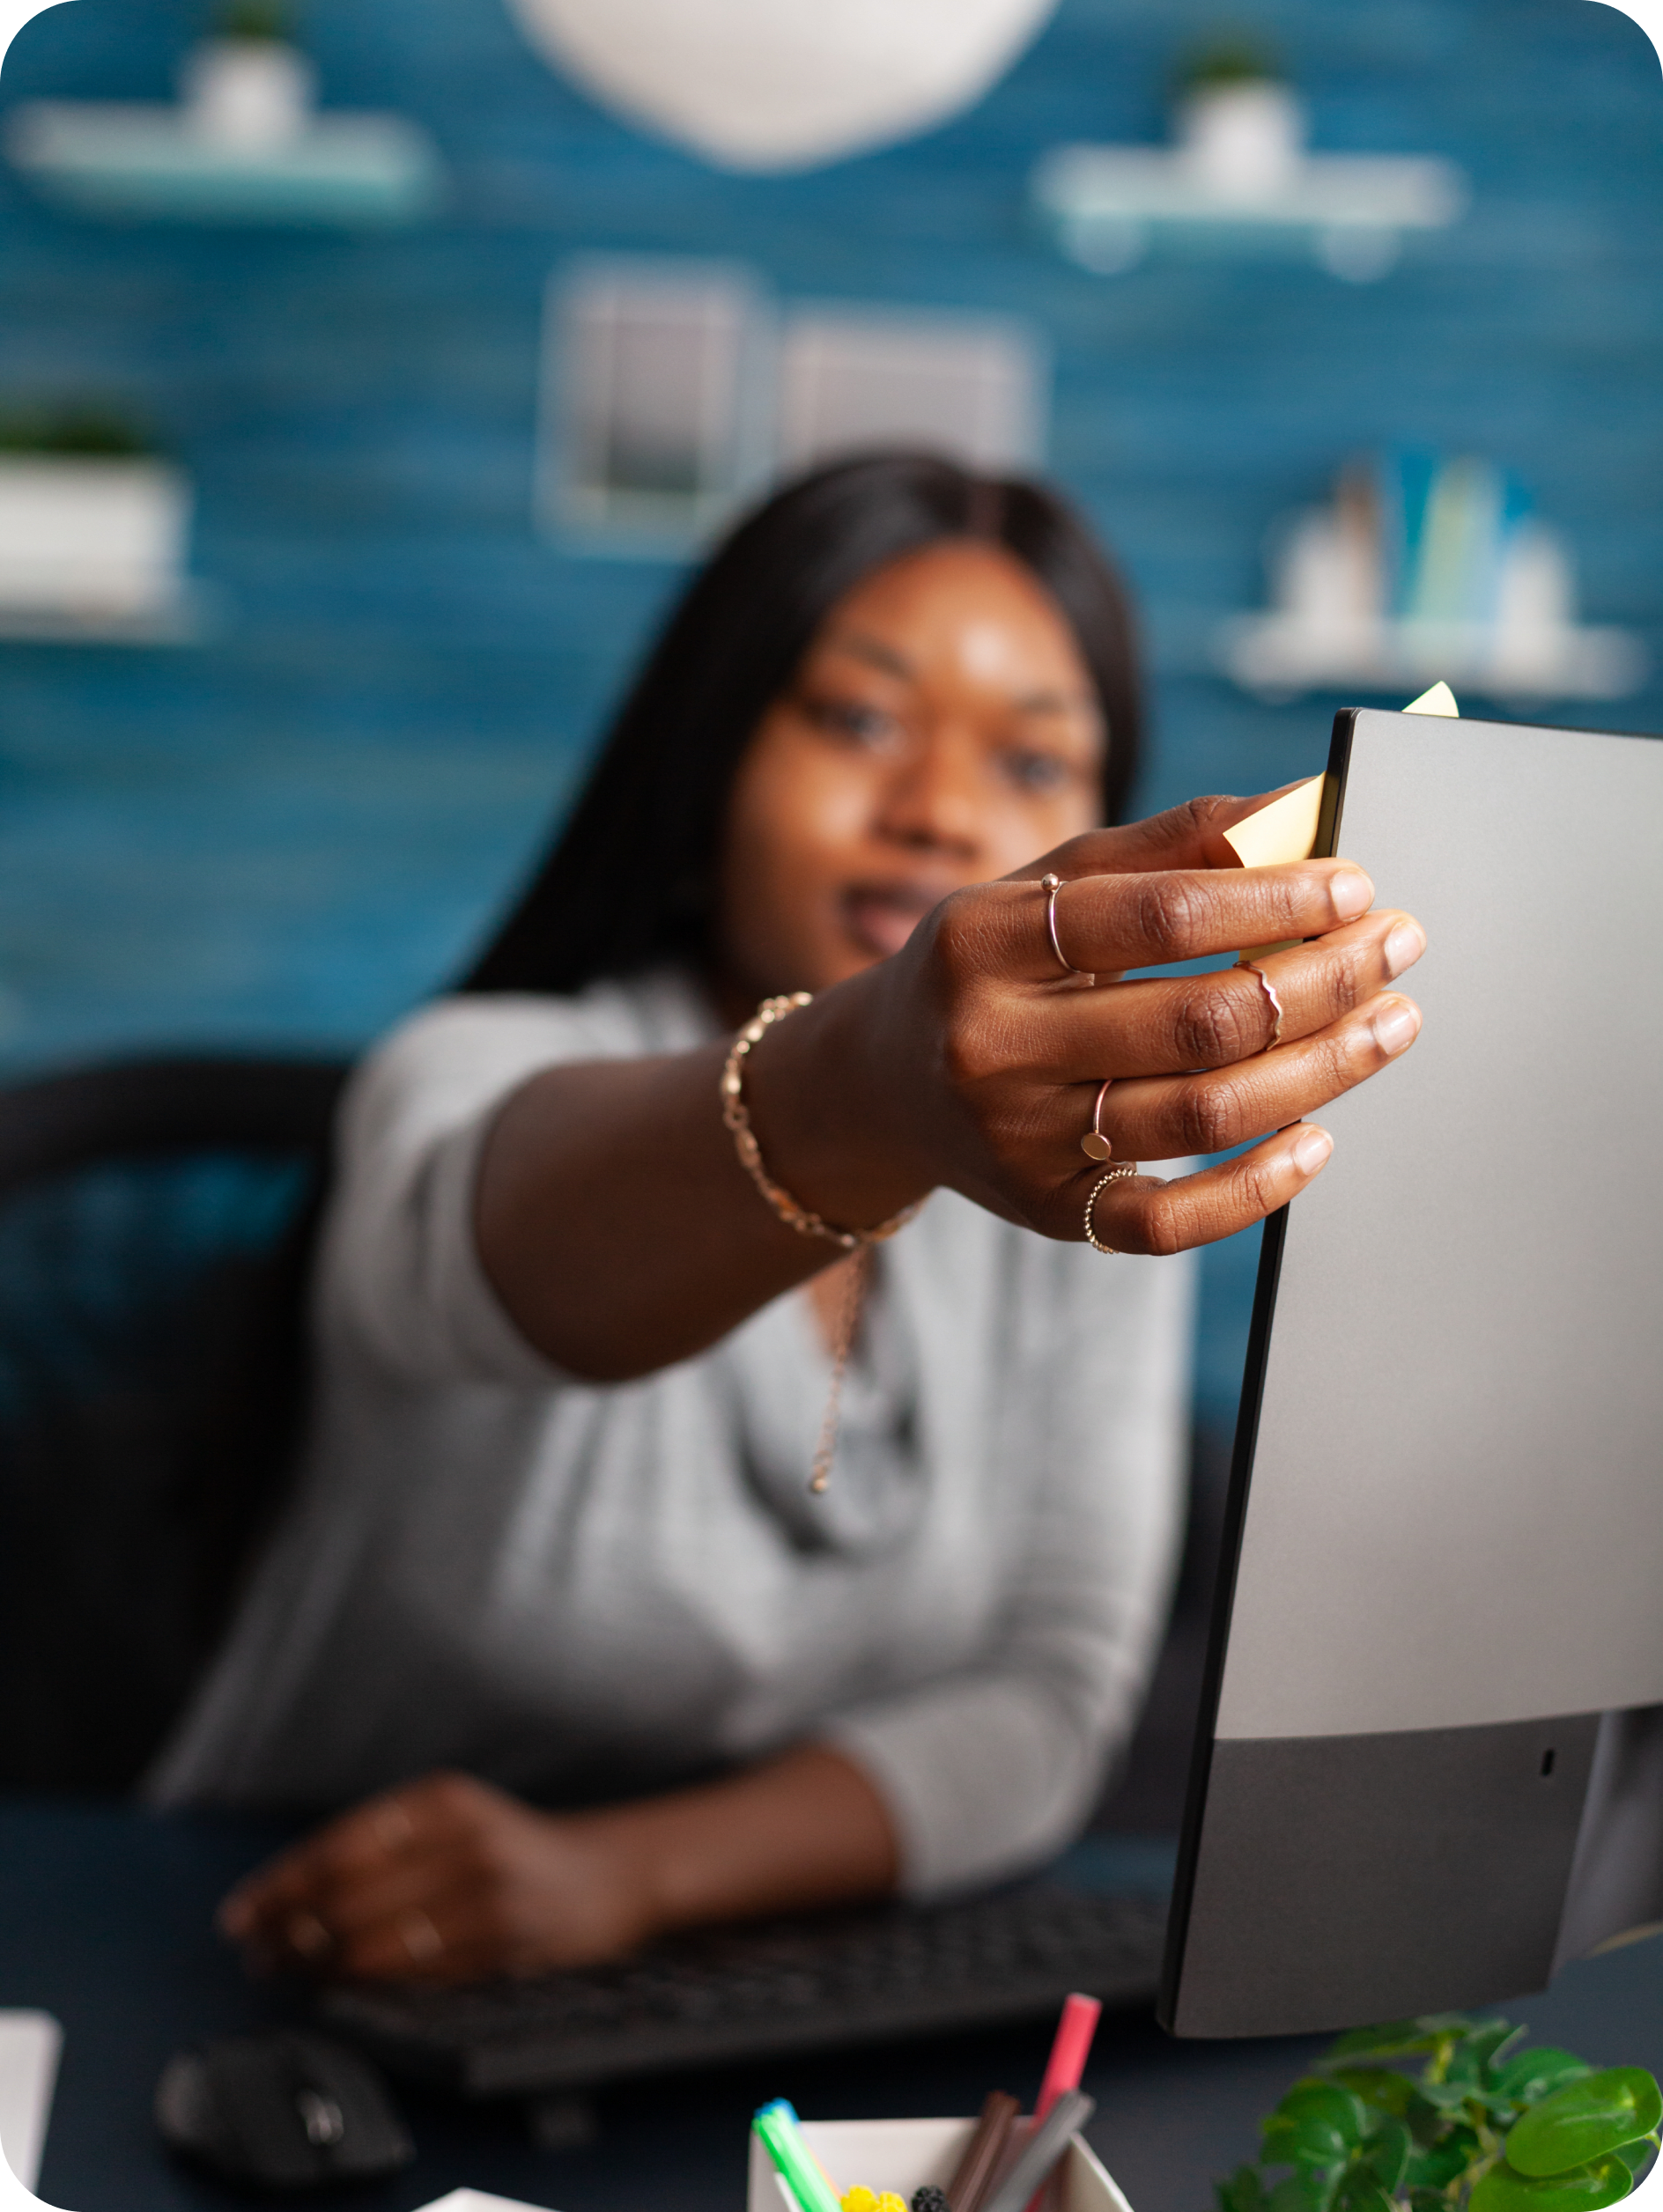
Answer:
(967, 1059)
(447, 1879)
(980, 1059)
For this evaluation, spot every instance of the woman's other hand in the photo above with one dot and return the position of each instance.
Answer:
(447, 1879)
(983, 1058)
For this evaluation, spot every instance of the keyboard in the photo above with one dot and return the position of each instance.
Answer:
(769, 1987)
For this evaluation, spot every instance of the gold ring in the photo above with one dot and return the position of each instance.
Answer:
(1094, 1144)
(420, 1938)
(1269, 990)
(1122, 1169)
(1051, 885)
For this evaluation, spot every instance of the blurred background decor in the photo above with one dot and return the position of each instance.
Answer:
(774, 84)
(674, 388)
(247, 86)
(1237, 175)
(1418, 569)
(243, 143)
(94, 530)
(447, 473)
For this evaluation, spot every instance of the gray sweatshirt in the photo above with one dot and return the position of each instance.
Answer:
(583, 1592)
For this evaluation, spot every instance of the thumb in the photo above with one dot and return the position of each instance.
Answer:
(1187, 836)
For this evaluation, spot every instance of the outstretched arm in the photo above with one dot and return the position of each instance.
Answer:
(620, 1233)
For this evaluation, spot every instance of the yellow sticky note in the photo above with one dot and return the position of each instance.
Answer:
(1284, 830)
(1439, 700)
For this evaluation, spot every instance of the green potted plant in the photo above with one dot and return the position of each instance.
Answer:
(94, 521)
(263, 22)
(1480, 2124)
(1241, 127)
(77, 431)
(247, 87)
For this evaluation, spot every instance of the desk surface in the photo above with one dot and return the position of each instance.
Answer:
(104, 1921)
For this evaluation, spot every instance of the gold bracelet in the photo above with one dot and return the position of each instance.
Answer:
(736, 1115)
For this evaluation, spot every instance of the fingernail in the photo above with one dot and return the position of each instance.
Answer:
(1404, 947)
(1352, 893)
(1310, 1148)
(1396, 1025)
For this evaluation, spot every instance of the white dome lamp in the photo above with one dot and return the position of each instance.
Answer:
(777, 84)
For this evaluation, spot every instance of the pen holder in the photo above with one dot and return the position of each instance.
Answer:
(904, 2154)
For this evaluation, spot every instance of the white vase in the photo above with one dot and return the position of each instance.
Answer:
(249, 95)
(1243, 142)
(1535, 605)
(1326, 576)
(88, 537)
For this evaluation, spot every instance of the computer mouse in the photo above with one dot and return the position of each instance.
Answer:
(283, 2110)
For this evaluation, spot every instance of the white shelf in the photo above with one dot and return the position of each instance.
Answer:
(1108, 204)
(128, 160)
(1281, 656)
(188, 617)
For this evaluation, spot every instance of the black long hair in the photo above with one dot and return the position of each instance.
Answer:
(630, 881)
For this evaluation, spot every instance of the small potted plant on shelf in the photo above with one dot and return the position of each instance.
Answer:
(94, 521)
(1480, 2125)
(247, 87)
(1241, 127)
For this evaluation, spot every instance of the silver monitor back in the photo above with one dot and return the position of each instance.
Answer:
(1431, 1760)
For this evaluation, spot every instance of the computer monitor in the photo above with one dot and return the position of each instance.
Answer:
(1430, 1765)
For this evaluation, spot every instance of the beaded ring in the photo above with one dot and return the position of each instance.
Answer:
(1122, 1169)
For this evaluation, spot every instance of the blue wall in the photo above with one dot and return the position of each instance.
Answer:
(293, 831)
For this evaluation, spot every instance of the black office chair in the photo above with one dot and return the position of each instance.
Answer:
(156, 1224)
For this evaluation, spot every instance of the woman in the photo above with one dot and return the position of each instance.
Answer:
(556, 1529)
